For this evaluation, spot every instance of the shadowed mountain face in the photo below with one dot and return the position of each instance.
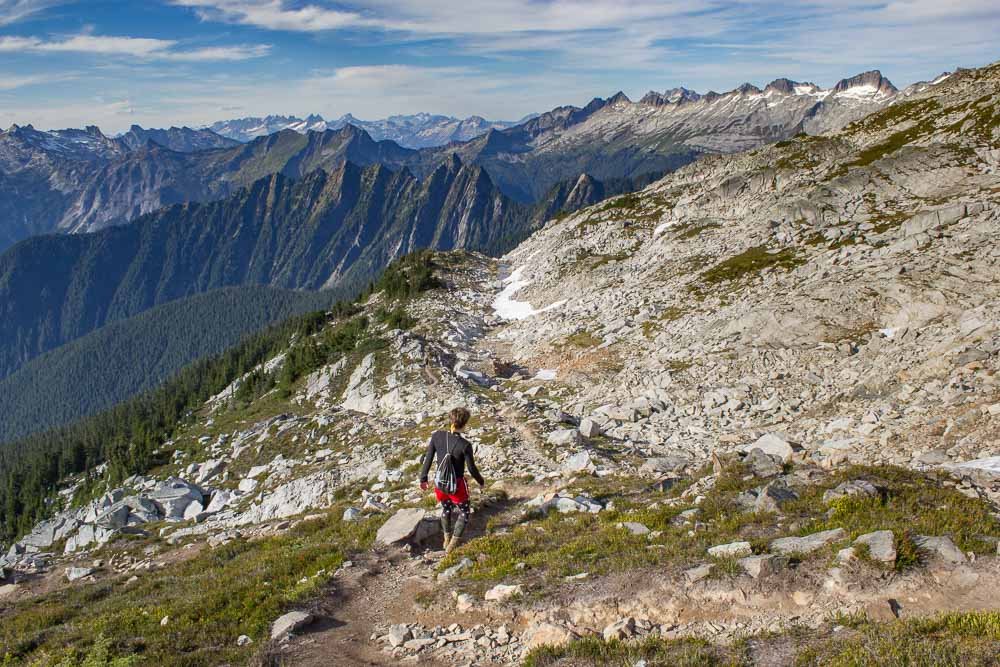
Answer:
(325, 229)
(80, 181)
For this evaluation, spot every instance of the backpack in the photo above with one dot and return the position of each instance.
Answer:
(445, 477)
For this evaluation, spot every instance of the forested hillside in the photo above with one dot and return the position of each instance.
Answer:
(126, 358)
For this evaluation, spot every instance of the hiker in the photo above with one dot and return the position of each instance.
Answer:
(453, 452)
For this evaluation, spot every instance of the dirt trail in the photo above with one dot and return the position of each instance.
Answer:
(379, 588)
(384, 587)
(534, 448)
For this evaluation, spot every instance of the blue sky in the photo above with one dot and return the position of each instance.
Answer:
(111, 63)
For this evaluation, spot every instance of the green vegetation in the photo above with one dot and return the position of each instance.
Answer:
(407, 277)
(557, 545)
(396, 318)
(210, 599)
(690, 230)
(655, 653)
(583, 339)
(128, 357)
(956, 639)
(750, 263)
(628, 202)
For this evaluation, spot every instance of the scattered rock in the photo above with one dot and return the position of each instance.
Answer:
(635, 528)
(762, 464)
(696, 574)
(589, 428)
(455, 570)
(579, 462)
(940, 547)
(77, 573)
(731, 550)
(399, 635)
(564, 437)
(773, 497)
(503, 592)
(881, 545)
(775, 445)
(806, 545)
(291, 622)
(763, 565)
(623, 629)
(243, 640)
(856, 487)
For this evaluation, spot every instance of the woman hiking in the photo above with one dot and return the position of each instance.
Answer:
(452, 452)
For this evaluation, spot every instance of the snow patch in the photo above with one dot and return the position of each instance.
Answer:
(545, 375)
(507, 308)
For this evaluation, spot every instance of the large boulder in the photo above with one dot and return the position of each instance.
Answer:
(291, 622)
(940, 547)
(173, 497)
(775, 445)
(401, 526)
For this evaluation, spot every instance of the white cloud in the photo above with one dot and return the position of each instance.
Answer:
(137, 47)
(13, 82)
(274, 14)
(220, 53)
(12, 11)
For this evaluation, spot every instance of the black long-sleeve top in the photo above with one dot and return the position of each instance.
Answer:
(443, 442)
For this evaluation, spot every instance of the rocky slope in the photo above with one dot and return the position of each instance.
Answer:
(757, 396)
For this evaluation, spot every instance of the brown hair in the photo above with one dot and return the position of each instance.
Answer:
(459, 417)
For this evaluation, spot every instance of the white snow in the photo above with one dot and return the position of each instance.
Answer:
(991, 464)
(545, 374)
(506, 307)
(866, 91)
(660, 228)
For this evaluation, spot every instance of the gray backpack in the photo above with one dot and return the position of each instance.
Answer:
(445, 477)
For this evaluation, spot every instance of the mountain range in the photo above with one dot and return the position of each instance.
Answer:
(421, 130)
(82, 180)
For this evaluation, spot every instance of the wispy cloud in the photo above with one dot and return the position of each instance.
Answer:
(12, 11)
(137, 47)
(275, 14)
(13, 81)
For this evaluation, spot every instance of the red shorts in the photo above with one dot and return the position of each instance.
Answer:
(460, 496)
